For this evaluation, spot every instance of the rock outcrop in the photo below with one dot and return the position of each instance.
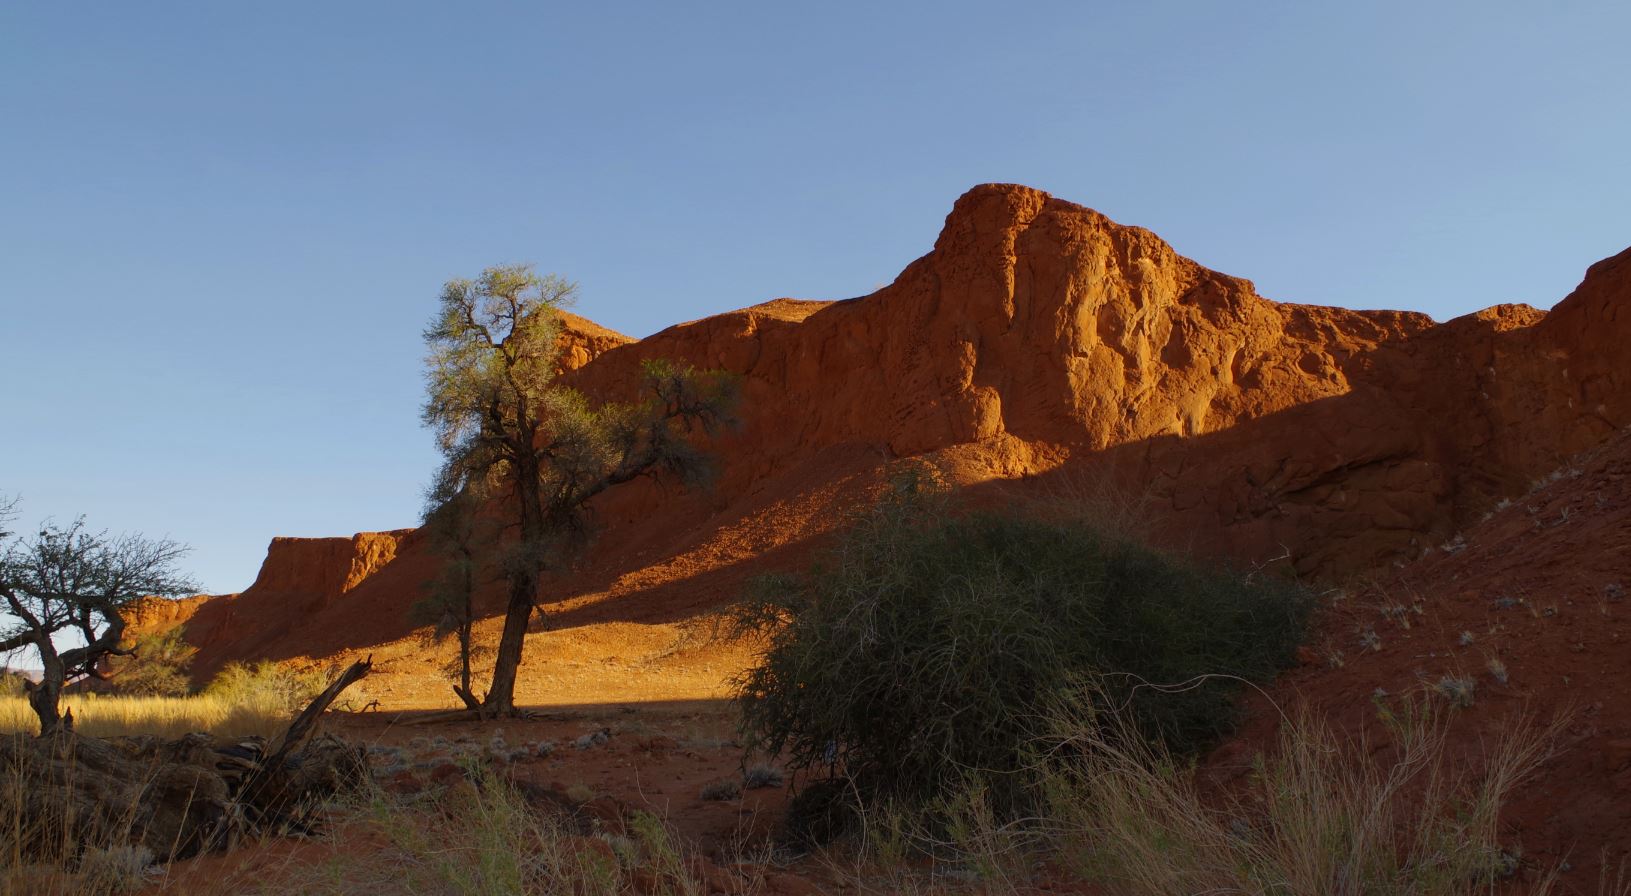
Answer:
(582, 340)
(312, 572)
(1040, 345)
(1048, 337)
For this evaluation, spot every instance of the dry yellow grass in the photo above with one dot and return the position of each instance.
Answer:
(1327, 815)
(110, 716)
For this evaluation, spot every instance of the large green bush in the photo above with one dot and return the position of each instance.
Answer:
(928, 645)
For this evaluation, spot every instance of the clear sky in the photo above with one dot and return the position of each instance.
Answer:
(223, 225)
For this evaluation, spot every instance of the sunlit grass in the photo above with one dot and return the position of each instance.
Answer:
(109, 716)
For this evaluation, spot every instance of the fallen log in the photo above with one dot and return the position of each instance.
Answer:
(278, 787)
(173, 798)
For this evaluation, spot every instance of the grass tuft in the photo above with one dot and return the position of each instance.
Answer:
(1323, 814)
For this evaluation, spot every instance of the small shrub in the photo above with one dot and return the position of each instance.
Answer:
(722, 790)
(823, 810)
(761, 776)
(925, 643)
(1459, 691)
(266, 684)
(158, 666)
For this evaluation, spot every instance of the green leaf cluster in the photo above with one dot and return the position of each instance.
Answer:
(926, 646)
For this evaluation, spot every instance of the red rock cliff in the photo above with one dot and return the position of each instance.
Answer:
(1038, 344)
(314, 571)
(1046, 335)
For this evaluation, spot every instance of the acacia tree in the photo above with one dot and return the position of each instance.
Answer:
(74, 582)
(537, 451)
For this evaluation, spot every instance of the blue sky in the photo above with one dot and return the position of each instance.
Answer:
(223, 226)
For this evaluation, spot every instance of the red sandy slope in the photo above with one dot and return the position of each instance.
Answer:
(1537, 593)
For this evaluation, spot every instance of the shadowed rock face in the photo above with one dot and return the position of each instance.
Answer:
(1047, 337)
(1039, 345)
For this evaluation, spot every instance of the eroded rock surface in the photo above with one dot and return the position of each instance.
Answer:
(1039, 346)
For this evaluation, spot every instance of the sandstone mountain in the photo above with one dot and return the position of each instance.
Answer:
(1038, 346)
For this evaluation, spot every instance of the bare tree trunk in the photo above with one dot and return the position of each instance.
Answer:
(464, 659)
(44, 697)
(523, 590)
(501, 693)
(464, 689)
(467, 619)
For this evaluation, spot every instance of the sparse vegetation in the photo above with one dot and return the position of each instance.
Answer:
(926, 643)
(12, 683)
(47, 848)
(1325, 815)
(1459, 691)
(242, 699)
(484, 838)
(84, 815)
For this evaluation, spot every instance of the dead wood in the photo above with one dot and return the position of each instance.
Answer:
(270, 777)
(174, 798)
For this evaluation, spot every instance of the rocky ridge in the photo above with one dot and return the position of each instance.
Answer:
(1040, 344)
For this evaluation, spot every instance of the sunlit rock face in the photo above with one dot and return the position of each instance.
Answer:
(1040, 348)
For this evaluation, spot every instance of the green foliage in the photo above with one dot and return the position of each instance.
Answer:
(493, 350)
(536, 450)
(158, 666)
(446, 596)
(266, 683)
(926, 645)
